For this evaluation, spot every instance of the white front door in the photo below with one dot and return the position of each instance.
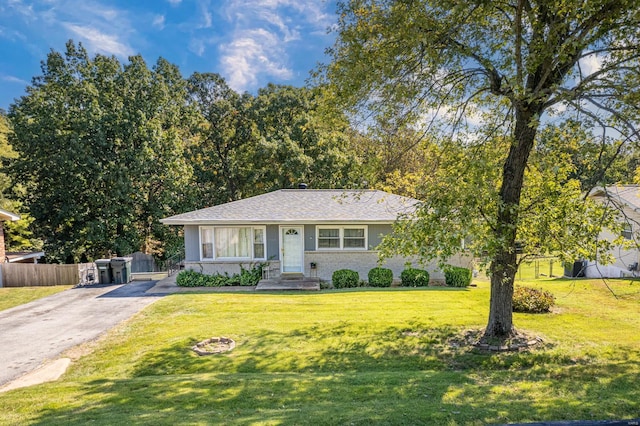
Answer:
(292, 249)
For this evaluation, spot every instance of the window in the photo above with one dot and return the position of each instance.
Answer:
(354, 238)
(329, 238)
(258, 243)
(206, 236)
(232, 243)
(627, 232)
(341, 238)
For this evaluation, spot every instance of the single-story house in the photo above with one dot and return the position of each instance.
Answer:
(625, 198)
(298, 231)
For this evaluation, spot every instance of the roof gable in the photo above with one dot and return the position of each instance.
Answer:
(304, 206)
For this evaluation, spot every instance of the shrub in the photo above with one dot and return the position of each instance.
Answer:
(412, 277)
(345, 278)
(454, 276)
(380, 277)
(246, 277)
(249, 277)
(531, 300)
(190, 278)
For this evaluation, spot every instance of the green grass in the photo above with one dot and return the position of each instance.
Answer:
(14, 296)
(366, 356)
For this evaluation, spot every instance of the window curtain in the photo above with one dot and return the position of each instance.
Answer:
(233, 242)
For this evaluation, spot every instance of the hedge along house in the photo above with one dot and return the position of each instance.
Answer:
(297, 231)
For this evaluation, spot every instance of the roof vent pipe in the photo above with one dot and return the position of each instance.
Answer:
(302, 186)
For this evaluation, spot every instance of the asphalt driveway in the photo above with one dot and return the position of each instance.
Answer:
(40, 331)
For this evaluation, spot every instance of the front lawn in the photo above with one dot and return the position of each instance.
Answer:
(365, 356)
(14, 296)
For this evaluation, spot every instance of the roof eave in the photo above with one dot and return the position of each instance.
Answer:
(7, 215)
(273, 222)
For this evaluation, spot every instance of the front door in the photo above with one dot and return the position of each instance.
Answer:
(291, 248)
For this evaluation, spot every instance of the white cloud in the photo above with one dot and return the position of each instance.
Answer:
(311, 11)
(207, 19)
(174, 2)
(590, 64)
(277, 21)
(97, 24)
(197, 46)
(18, 6)
(158, 21)
(263, 32)
(255, 53)
(98, 41)
(12, 79)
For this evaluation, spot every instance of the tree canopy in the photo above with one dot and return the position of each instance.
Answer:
(100, 152)
(105, 149)
(487, 81)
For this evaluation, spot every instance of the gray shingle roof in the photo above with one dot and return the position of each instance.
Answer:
(620, 194)
(303, 206)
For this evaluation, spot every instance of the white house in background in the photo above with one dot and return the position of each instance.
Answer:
(4, 216)
(626, 198)
(15, 256)
(298, 231)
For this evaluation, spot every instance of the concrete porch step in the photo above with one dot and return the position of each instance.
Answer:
(289, 284)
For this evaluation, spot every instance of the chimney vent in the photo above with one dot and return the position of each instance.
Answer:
(302, 186)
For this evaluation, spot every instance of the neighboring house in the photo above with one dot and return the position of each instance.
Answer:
(4, 217)
(626, 198)
(297, 231)
(24, 256)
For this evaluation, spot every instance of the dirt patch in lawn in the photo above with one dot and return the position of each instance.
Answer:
(214, 345)
(519, 341)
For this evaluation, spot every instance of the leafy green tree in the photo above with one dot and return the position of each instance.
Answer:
(491, 75)
(225, 137)
(18, 236)
(100, 153)
(301, 142)
(244, 145)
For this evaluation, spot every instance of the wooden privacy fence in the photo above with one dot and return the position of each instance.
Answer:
(39, 275)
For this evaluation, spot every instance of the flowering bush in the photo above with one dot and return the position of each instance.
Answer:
(531, 300)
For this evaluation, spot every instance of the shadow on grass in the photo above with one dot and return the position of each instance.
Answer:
(322, 375)
(296, 293)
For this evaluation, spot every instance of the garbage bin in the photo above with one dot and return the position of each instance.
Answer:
(575, 269)
(104, 271)
(121, 269)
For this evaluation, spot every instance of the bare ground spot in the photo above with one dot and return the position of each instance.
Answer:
(519, 341)
(214, 345)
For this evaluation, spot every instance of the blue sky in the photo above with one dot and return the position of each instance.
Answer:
(249, 42)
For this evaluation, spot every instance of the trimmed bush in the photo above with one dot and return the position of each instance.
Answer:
(454, 276)
(532, 300)
(380, 277)
(413, 277)
(345, 278)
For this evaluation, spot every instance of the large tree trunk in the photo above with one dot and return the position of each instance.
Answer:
(504, 263)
